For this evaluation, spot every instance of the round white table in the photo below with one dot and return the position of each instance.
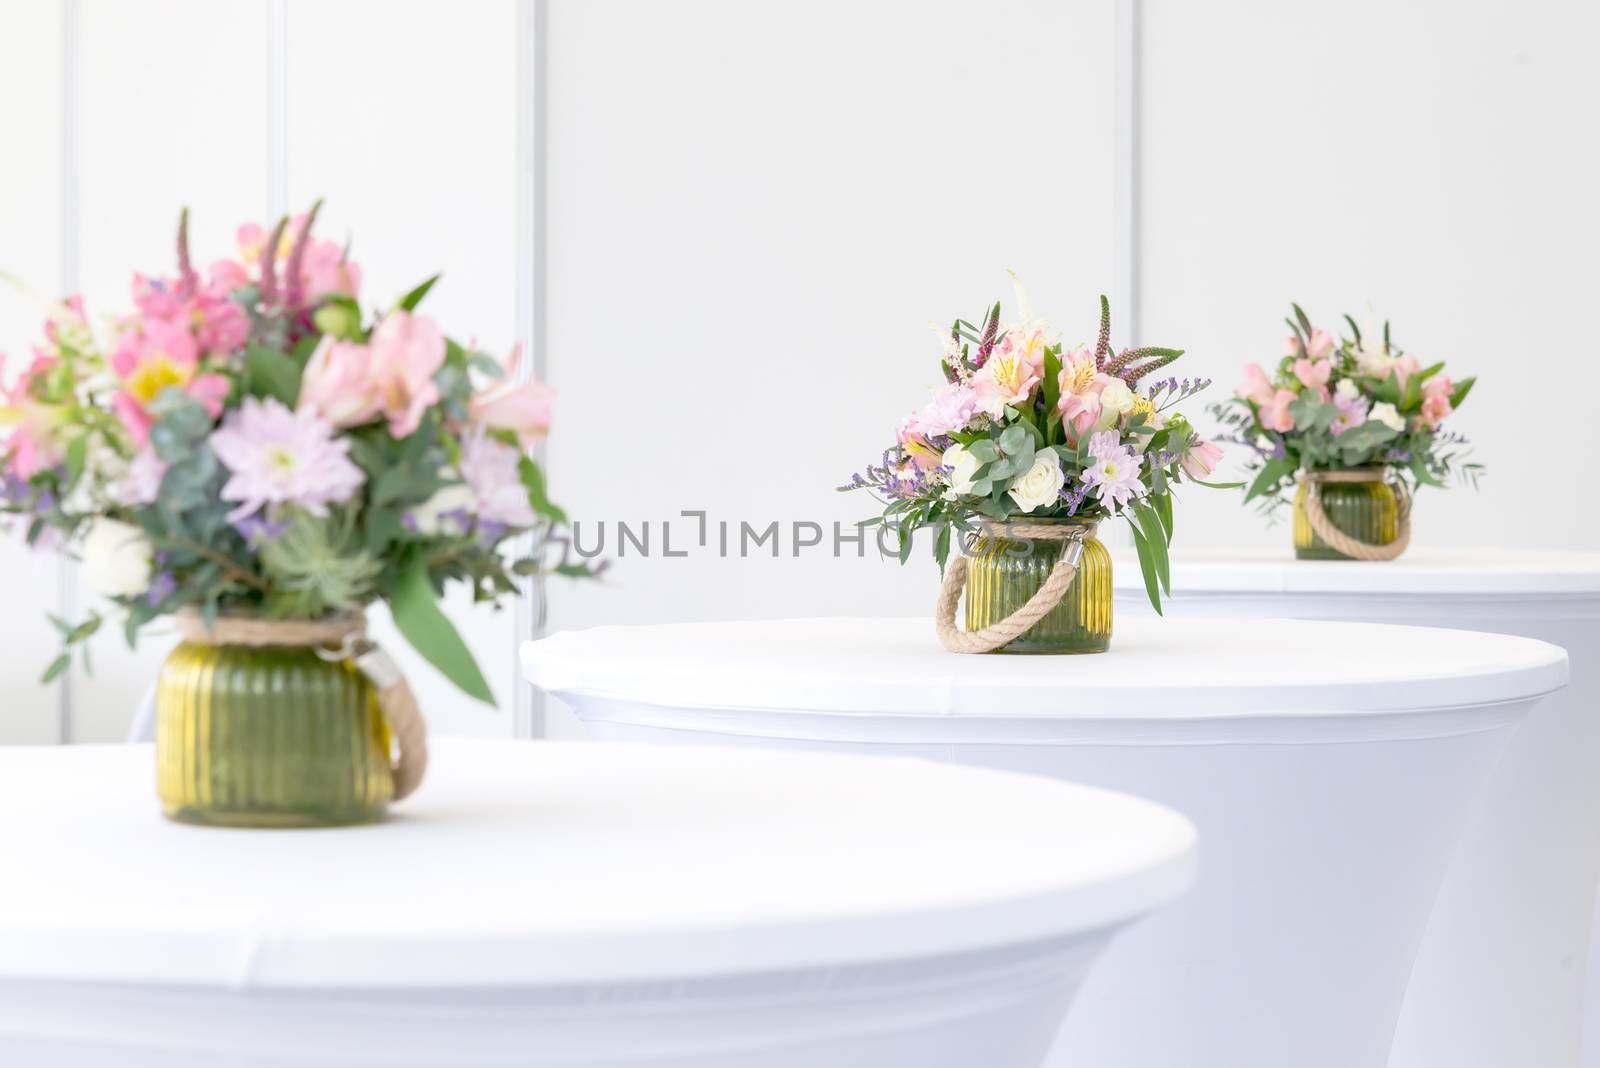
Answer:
(1327, 765)
(1500, 976)
(546, 904)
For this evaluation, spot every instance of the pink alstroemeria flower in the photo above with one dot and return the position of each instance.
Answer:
(1257, 386)
(150, 357)
(1201, 458)
(1275, 413)
(1079, 401)
(1314, 374)
(526, 409)
(406, 352)
(33, 444)
(1436, 401)
(339, 384)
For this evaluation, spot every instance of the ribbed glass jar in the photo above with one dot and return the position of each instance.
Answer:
(1003, 572)
(272, 736)
(1367, 511)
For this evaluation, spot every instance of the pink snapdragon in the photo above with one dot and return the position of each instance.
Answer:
(526, 408)
(1436, 407)
(1257, 386)
(1114, 475)
(282, 457)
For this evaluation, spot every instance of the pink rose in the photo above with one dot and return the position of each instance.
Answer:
(339, 384)
(1257, 386)
(406, 351)
(1201, 458)
(1275, 413)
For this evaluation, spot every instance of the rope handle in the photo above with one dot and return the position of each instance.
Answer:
(1041, 604)
(399, 707)
(1338, 540)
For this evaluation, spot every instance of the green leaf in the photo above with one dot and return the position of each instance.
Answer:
(1272, 472)
(416, 613)
(1162, 502)
(1459, 394)
(538, 499)
(1052, 379)
(410, 301)
(1156, 540)
(77, 455)
(1355, 331)
(271, 373)
(56, 668)
(1147, 567)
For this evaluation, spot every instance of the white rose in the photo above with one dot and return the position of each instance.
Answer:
(1348, 389)
(116, 559)
(963, 465)
(1041, 485)
(1116, 399)
(1388, 415)
(429, 517)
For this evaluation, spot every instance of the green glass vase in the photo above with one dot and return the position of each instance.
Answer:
(274, 736)
(1366, 511)
(1003, 572)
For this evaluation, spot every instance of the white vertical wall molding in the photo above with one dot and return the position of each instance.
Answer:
(68, 282)
(532, 20)
(277, 45)
(1125, 263)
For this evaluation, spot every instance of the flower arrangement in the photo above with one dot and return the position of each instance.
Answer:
(1027, 427)
(1339, 404)
(247, 442)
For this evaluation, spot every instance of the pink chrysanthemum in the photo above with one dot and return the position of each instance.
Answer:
(278, 456)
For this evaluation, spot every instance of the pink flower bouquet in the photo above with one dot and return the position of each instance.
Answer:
(1341, 404)
(247, 441)
(1026, 428)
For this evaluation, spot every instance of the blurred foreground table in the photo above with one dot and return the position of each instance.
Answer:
(1328, 766)
(1500, 976)
(546, 904)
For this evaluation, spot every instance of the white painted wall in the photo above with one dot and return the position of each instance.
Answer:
(748, 213)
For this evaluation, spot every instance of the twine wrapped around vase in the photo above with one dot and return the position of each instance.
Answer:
(1041, 604)
(335, 638)
(1338, 540)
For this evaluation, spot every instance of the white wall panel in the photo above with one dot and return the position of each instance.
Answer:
(172, 97)
(1437, 164)
(402, 115)
(30, 232)
(754, 213)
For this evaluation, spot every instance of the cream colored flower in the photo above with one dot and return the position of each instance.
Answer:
(962, 466)
(1042, 483)
(117, 559)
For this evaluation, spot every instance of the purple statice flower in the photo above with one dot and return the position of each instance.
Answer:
(258, 528)
(162, 587)
(1073, 496)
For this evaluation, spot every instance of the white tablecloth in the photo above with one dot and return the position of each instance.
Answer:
(1500, 978)
(1328, 766)
(550, 904)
